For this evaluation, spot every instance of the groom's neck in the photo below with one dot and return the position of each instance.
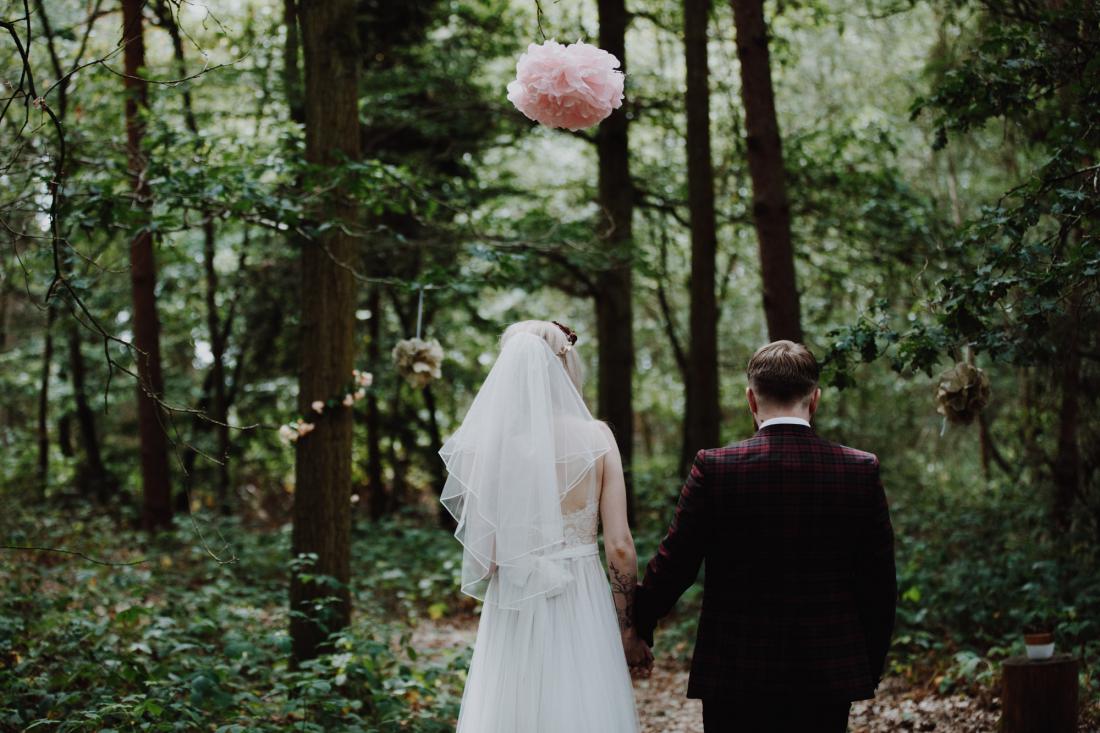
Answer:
(800, 412)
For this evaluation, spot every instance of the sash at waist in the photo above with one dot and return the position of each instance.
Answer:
(535, 577)
(574, 551)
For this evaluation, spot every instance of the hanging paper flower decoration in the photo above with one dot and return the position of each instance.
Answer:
(572, 87)
(418, 361)
(962, 393)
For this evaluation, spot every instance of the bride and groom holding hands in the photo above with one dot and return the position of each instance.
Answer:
(799, 590)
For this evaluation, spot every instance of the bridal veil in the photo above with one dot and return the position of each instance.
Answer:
(526, 441)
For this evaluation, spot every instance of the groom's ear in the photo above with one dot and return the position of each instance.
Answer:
(751, 396)
(815, 400)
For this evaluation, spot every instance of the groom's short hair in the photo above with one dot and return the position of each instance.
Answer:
(783, 372)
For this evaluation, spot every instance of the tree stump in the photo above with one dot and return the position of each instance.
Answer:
(1039, 696)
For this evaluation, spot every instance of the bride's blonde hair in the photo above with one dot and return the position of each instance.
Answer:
(559, 343)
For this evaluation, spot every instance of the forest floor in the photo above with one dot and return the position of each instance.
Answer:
(663, 708)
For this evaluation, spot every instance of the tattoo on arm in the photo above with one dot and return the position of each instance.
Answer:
(622, 590)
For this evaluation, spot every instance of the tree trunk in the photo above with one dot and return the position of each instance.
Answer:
(377, 499)
(1067, 461)
(771, 209)
(218, 409)
(44, 404)
(702, 408)
(292, 77)
(614, 287)
(1039, 696)
(322, 520)
(438, 470)
(157, 506)
(94, 476)
(400, 435)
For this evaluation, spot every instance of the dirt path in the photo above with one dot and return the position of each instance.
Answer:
(662, 707)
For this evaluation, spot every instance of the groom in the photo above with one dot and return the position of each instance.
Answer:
(800, 591)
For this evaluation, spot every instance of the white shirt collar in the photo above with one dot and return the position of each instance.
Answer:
(784, 421)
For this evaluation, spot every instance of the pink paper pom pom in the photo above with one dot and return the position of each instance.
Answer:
(574, 86)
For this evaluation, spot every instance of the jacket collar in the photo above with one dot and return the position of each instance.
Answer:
(785, 420)
(786, 429)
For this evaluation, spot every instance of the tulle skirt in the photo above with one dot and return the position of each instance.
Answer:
(556, 666)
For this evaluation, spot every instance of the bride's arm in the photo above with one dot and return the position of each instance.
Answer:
(622, 559)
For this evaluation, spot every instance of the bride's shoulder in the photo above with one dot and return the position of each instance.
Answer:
(605, 435)
(595, 433)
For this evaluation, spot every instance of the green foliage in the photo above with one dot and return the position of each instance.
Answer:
(976, 569)
(184, 641)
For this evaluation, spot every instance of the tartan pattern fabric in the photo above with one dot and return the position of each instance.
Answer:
(800, 588)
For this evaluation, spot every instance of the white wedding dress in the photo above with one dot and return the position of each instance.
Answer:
(524, 486)
(557, 666)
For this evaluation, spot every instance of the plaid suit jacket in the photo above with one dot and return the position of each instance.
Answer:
(800, 588)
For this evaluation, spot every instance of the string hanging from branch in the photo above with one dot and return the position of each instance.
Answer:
(419, 361)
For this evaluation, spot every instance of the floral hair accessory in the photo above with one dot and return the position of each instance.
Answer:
(570, 335)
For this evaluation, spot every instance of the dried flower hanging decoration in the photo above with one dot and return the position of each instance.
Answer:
(963, 391)
(419, 361)
(352, 392)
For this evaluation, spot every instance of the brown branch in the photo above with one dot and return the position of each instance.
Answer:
(63, 551)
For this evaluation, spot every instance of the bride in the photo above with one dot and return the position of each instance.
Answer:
(531, 474)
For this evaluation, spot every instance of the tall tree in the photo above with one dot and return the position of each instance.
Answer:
(44, 402)
(218, 405)
(771, 209)
(322, 520)
(702, 411)
(157, 505)
(292, 77)
(615, 283)
(93, 475)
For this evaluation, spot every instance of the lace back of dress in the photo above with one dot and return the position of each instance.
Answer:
(580, 509)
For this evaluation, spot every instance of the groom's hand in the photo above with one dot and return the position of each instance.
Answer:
(639, 657)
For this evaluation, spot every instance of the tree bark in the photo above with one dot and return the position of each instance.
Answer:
(157, 506)
(771, 208)
(614, 285)
(702, 409)
(219, 409)
(1067, 461)
(94, 478)
(292, 77)
(322, 497)
(438, 470)
(400, 435)
(1039, 696)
